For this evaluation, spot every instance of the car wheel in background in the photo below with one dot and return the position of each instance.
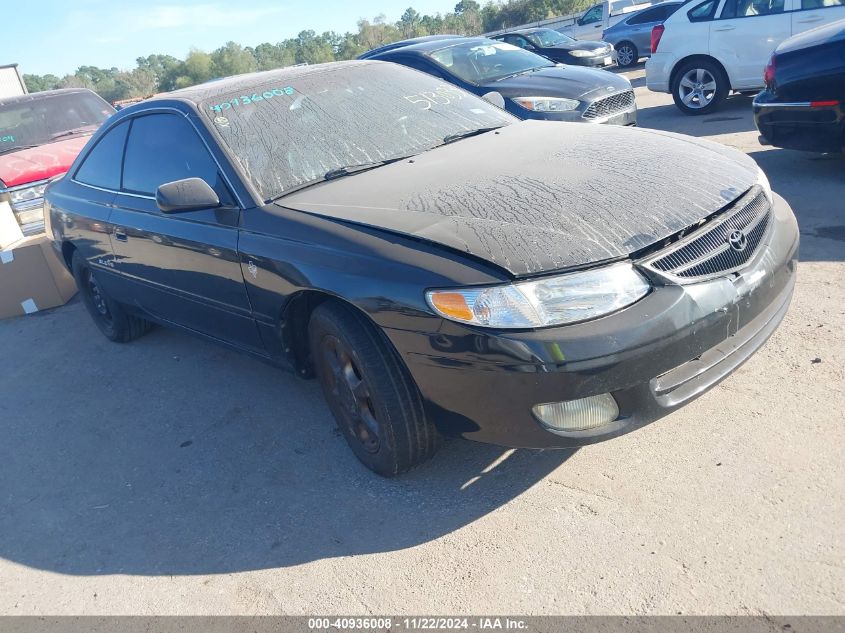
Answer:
(626, 54)
(373, 398)
(699, 87)
(114, 322)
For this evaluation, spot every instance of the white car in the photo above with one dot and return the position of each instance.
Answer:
(602, 16)
(709, 47)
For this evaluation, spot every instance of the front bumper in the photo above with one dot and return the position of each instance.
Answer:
(804, 126)
(653, 357)
(599, 61)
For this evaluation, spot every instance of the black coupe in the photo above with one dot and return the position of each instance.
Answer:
(803, 105)
(561, 48)
(440, 266)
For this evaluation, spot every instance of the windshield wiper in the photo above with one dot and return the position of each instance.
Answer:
(523, 72)
(457, 136)
(6, 150)
(76, 130)
(340, 172)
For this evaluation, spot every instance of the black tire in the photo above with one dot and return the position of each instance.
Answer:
(707, 83)
(627, 55)
(371, 394)
(114, 322)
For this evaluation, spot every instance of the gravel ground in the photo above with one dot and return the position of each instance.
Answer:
(171, 476)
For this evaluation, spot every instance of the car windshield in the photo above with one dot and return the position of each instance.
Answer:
(43, 119)
(487, 62)
(286, 136)
(545, 38)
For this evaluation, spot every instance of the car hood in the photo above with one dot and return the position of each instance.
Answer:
(541, 196)
(581, 45)
(573, 82)
(40, 163)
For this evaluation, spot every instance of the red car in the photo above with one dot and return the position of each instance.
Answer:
(40, 136)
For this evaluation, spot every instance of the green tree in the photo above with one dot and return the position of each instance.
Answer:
(232, 59)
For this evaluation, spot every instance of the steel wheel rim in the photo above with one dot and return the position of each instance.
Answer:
(624, 55)
(351, 393)
(97, 299)
(697, 88)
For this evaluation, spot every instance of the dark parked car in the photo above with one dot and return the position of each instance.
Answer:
(408, 42)
(561, 48)
(631, 37)
(439, 265)
(803, 105)
(532, 86)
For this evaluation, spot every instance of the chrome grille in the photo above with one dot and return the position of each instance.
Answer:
(608, 106)
(707, 252)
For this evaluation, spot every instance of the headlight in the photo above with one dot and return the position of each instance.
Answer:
(547, 104)
(763, 181)
(19, 196)
(580, 53)
(543, 302)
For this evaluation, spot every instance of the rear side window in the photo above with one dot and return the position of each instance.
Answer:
(163, 148)
(821, 4)
(751, 8)
(101, 166)
(703, 12)
(650, 15)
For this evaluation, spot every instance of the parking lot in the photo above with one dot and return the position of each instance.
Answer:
(171, 476)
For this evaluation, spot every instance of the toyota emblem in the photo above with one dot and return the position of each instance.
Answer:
(737, 241)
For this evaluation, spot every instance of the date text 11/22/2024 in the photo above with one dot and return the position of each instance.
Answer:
(417, 624)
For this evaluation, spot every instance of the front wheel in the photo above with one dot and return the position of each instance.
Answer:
(699, 87)
(114, 322)
(626, 55)
(373, 398)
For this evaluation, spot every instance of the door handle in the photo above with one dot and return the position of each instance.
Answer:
(812, 18)
(120, 235)
(727, 27)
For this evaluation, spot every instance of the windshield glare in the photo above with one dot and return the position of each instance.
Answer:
(42, 119)
(488, 62)
(547, 37)
(287, 135)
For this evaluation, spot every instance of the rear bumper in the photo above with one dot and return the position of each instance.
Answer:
(800, 125)
(658, 70)
(653, 357)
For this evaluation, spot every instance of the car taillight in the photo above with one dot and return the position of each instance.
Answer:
(769, 73)
(656, 34)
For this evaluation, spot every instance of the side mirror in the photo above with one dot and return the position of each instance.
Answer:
(189, 194)
(495, 98)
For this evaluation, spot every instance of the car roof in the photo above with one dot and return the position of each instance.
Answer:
(245, 82)
(36, 96)
(407, 42)
(533, 29)
(436, 45)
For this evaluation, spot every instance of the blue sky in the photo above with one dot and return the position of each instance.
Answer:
(57, 36)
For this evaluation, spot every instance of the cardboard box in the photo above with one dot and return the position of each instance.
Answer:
(32, 278)
(10, 230)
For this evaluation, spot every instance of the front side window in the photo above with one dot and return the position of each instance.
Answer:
(43, 118)
(484, 63)
(163, 148)
(546, 38)
(288, 135)
(750, 8)
(593, 15)
(703, 12)
(101, 166)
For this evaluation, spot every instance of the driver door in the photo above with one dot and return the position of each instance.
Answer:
(181, 267)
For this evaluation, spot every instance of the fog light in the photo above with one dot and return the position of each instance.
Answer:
(577, 415)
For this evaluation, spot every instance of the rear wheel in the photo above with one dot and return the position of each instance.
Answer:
(369, 391)
(114, 322)
(699, 87)
(626, 54)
